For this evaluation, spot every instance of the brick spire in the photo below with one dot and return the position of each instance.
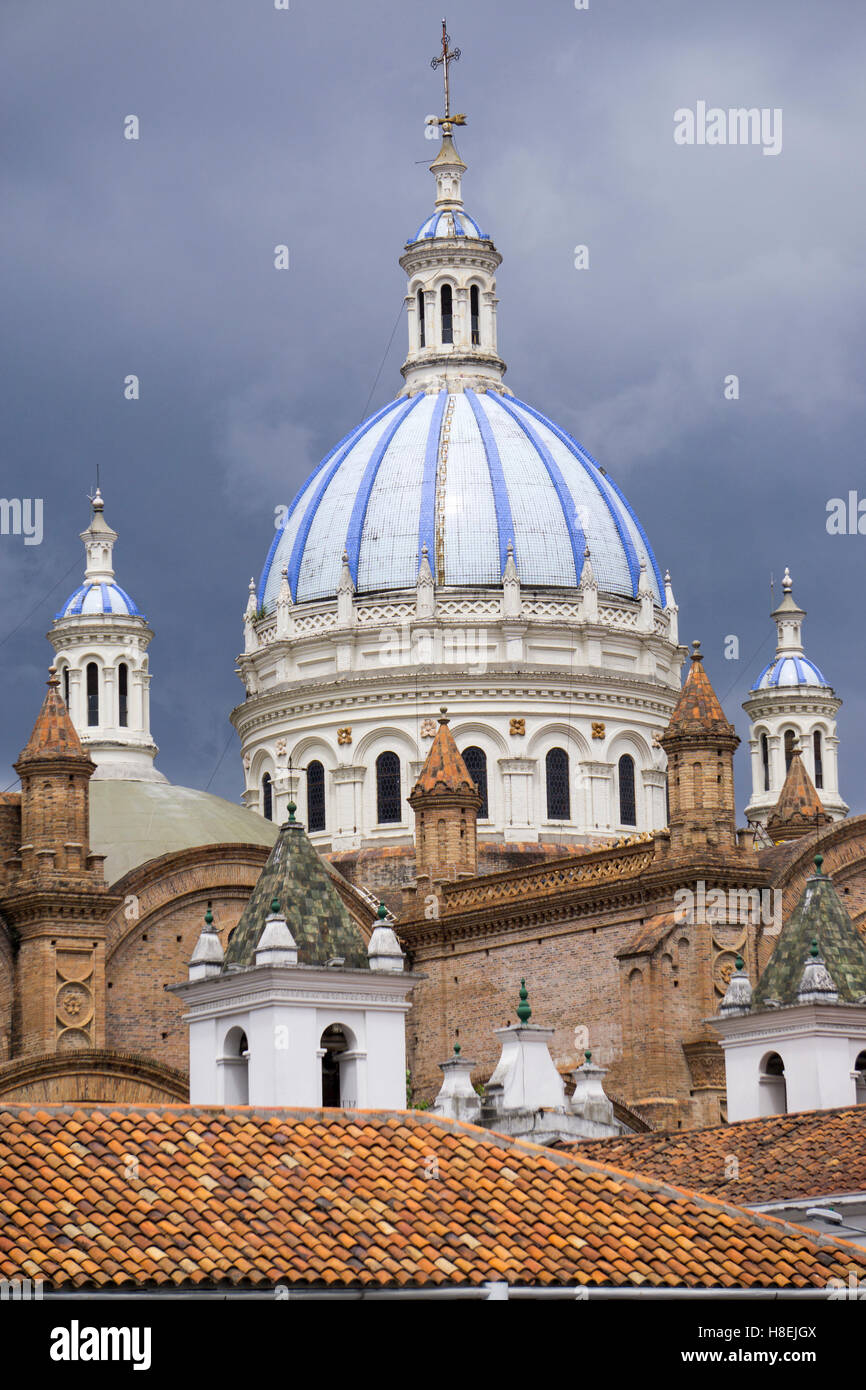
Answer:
(798, 810)
(698, 711)
(700, 745)
(53, 733)
(444, 770)
(446, 803)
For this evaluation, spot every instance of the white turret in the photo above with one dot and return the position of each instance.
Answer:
(791, 703)
(451, 295)
(100, 640)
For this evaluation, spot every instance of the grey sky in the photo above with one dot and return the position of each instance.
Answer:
(306, 127)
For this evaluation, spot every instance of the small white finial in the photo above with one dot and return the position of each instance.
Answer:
(787, 582)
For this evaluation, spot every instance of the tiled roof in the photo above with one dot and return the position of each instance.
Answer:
(444, 769)
(811, 1154)
(297, 876)
(697, 710)
(819, 916)
(138, 1196)
(53, 733)
(799, 808)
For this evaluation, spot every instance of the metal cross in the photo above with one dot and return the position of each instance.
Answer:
(447, 56)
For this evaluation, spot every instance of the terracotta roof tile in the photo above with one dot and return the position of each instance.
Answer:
(810, 1154)
(498, 1209)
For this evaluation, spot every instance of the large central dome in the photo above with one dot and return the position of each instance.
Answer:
(458, 548)
(462, 473)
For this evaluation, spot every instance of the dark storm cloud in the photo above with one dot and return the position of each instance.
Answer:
(306, 127)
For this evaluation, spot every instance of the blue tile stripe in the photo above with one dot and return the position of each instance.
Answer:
(429, 228)
(362, 497)
(74, 605)
(334, 458)
(504, 519)
(136, 612)
(427, 516)
(566, 501)
(602, 483)
(774, 673)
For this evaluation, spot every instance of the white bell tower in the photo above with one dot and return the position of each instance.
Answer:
(451, 264)
(791, 704)
(100, 639)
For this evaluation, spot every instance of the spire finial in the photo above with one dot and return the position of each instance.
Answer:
(697, 655)
(448, 55)
(524, 1013)
(787, 581)
(819, 860)
(381, 911)
(291, 808)
(443, 715)
(457, 1049)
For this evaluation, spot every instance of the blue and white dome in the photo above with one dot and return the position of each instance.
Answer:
(448, 223)
(463, 473)
(786, 671)
(99, 598)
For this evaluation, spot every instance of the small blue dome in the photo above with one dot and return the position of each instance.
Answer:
(446, 224)
(788, 671)
(462, 474)
(99, 598)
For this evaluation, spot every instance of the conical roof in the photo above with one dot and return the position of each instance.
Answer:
(799, 808)
(819, 916)
(444, 769)
(296, 877)
(697, 710)
(53, 733)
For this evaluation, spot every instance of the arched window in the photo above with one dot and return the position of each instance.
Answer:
(627, 802)
(860, 1079)
(476, 765)
(267, 797)
(447, 317)
(774, 1089)
(235, 1064)
(340, 1074)
(765, 760)
(315, 796)
(92, 693)
(388, 804)
(790, 741)
(422, 332)
(558, 789)
(66, 685)
(123, 695)
(474, 316)
(819, 761)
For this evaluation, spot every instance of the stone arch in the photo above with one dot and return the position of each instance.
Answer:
(104, 1076)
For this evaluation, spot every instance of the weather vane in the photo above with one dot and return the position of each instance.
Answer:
(448, 55)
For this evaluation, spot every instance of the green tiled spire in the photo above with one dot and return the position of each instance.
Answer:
(819, 917)
(296, 882)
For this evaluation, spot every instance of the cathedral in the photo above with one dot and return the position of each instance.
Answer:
(462, 669)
